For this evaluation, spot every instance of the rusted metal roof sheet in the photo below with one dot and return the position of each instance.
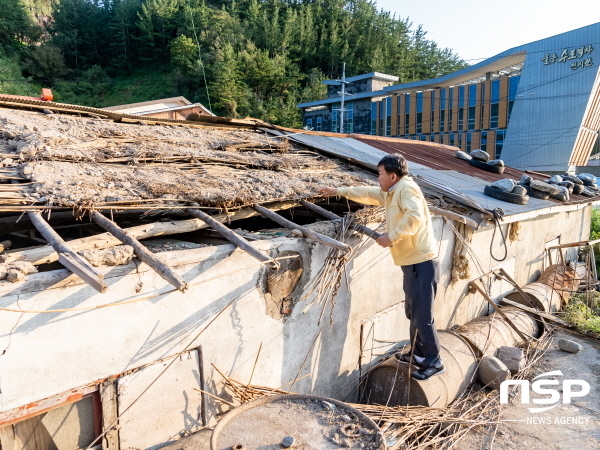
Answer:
(442, 157)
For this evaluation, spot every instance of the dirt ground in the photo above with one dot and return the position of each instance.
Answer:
(567, 426)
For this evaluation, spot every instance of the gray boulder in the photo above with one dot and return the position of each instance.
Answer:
(496, 162)
(571, 178)
(569, 185)
(544, 187)
(588, 192)
(492, 372)
(519, 190)
(512, 357)
(463, 155)
(587, 178)
(505, 185)
(480, 155)
(567, 345)
(555, 179)
(562, 195)
(525, 180)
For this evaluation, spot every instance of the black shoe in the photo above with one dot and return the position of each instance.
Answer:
(406, 357)
(427, 372)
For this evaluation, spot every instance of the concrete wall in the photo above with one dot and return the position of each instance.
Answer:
(46, 354)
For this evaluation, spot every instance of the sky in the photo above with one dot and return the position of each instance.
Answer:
(479, 29)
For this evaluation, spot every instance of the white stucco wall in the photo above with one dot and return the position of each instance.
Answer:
(46, 354)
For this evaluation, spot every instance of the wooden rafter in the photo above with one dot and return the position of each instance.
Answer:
(326, 240)
(140, 251)
(233, 237)
(66, 256)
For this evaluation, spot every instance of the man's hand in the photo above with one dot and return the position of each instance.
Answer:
(326, 190)
(384, 240)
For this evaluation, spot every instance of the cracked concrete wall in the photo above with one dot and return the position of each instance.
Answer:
(47, 354)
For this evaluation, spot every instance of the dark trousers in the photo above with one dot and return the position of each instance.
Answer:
(420, 287)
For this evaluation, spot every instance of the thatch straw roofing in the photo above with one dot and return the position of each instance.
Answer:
(85, 162)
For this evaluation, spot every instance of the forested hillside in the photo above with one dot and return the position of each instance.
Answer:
(240, 58)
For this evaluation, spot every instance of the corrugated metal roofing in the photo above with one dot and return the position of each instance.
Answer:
(443, 157)
(436, 163)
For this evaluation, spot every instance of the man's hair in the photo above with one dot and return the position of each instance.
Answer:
(394, 164)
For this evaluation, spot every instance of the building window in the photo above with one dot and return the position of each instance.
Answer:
(319, 123)
(495, 91)
(461, 97)
(494, 108)
(483, 144)
(388, 116)
(451, 138)
(471, 124)
(334, 117)
(499, 143)
(461, 114)
(469, 140)
(473, 95)
(513, 85)
(349, 122)
(374, 118)
(309, 124)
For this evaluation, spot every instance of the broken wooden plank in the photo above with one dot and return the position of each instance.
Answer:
(109, 400)
(326, 240)
(537, 312)
(329, 215)
(46, 254)
(140, 251)
(66, 255)
(499, 311)
(233, 237)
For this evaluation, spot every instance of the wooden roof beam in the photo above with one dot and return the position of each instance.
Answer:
(321, 238)
(66, 256)
(233, 237)
(140, 251)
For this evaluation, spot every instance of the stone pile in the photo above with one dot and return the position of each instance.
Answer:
(480, 155)
(509, 185)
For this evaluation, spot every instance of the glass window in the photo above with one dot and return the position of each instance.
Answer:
(319, 123)
(469, 140)
(406, 103)
(382, 115)
(419, 122)
(494, 111)
(471, 125)
(442, 98)
(432, 100)
(388, 119)
(309, 123)
(374, 118)
(473, 94)
(461, 97)
(419, 102)
(335, 109)
(499, 143)
(495, 91)
(483, 144)
(451, 138)
(461, 115)
(513, 86)
(423, 137)
(349, 122)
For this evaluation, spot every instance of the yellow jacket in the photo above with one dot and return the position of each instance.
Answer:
(407, 219)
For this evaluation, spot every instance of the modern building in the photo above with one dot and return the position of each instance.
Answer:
(536, 106)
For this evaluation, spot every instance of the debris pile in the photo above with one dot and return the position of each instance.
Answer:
(13, 268)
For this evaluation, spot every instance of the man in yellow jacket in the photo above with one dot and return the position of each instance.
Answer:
(411, 243)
